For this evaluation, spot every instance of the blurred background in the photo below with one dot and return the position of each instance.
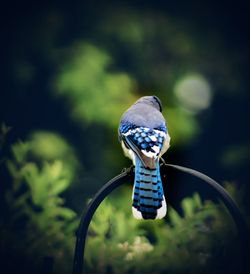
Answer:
(69, 70)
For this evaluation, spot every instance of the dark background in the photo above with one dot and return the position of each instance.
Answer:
(171, 40)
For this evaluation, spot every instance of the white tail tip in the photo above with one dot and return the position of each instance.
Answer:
(161, 212)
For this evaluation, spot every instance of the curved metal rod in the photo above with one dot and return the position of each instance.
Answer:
(86, 219)
(127, 176)
(224, 197)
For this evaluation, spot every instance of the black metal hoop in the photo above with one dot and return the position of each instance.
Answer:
(128, 176)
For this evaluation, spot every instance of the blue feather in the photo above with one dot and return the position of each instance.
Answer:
(144, 136)
(148, 196)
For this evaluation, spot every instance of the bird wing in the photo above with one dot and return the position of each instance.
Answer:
(144, 142)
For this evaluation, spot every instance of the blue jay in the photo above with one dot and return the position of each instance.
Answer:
(144, 137)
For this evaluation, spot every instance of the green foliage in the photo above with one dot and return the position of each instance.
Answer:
(95, 93)
(180, 123)
(40, 173)
(97, 90)
(186, 242)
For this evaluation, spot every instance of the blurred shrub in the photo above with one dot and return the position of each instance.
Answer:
(195, 241)
(36, 221)
(94, 92)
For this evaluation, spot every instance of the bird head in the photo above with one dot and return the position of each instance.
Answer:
(151, 100)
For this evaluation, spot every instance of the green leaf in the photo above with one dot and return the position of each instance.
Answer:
(66, 213)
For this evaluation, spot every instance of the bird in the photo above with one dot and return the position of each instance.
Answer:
(144, 138)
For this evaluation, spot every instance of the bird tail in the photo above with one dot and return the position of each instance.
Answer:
(148, 197)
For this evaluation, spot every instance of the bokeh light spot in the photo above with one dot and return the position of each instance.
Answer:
(193, 92)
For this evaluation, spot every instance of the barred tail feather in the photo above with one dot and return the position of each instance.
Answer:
(148, 197)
